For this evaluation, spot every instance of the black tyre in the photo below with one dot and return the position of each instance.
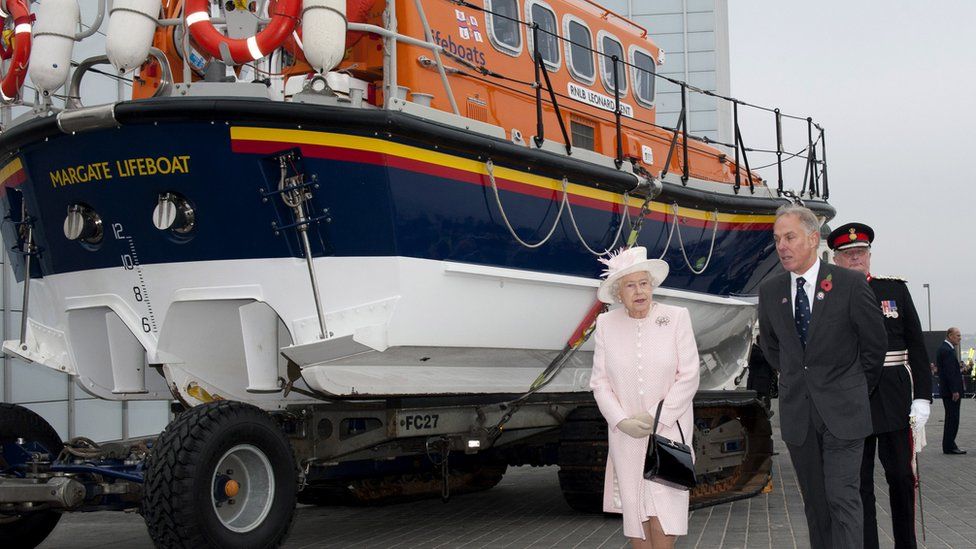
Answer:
(28, 530)
(222, 474)
(583, 459)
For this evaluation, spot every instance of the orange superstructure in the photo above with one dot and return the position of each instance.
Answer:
(577, 40)
(489, 51)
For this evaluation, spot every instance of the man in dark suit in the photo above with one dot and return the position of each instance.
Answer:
(950, 383)
(821, 328)
(904, 392)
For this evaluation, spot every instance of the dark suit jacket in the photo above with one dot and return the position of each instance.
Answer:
(843, 357)
(950, 377)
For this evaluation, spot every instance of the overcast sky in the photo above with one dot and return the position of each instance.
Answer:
(893, 83)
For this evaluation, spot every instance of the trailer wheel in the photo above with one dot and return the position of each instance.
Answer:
(222, 474)
(583, 458)
(28, 530)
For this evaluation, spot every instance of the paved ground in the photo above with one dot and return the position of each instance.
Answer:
(527, 510)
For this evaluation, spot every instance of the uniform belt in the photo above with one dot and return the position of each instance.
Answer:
(896, 358)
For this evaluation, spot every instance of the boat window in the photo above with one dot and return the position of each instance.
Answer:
(583, 134)
(610, 46)
(644, 68)
(580, 46)
(504, 26)
(548, 33)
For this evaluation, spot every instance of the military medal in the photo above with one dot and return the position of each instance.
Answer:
(889, 308)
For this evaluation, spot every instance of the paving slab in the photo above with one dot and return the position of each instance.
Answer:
(527, 510)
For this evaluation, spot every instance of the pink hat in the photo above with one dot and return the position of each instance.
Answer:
(627, 261)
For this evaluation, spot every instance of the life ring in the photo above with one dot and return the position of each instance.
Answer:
(284, 17)
(17, 71)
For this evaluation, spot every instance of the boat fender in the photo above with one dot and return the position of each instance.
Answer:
(324, 33)
(284, 17)
(54, 39)
(19, 57)
(131, 26)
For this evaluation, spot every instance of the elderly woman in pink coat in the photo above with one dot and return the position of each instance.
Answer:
(645, 353)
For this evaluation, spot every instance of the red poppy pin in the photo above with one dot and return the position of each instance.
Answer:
(827, 284)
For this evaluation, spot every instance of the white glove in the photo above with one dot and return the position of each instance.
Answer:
(634, 427)
(920, 411)
(646, 418)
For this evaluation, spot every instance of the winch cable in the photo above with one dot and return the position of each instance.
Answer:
(579, 336)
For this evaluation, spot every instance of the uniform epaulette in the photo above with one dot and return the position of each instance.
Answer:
(896, 278)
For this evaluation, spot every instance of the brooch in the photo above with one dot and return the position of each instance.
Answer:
(662, 321)
(785, 300)
(820, 296)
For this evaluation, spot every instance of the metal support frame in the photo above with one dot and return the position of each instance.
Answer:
(812, 162)
(28, 252)
(740, 146)
(619, 160)
(682, 127)
(779, 152)
(823, 160)
(540, 69)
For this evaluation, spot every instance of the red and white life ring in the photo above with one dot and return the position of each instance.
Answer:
(284, 17)
(17, 71)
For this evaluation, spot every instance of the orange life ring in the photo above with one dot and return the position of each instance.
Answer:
(17, 72)
(284, 17)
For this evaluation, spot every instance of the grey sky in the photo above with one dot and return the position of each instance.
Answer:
(893, 85)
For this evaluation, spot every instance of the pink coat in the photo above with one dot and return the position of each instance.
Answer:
(636, 364)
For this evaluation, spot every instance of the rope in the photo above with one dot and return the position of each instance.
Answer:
(681, 243)
(490, 166)
(674, 226)
(623, 220)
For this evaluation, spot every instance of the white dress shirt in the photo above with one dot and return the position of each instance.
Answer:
(810, 282)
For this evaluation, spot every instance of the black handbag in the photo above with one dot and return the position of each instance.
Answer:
(669, 462)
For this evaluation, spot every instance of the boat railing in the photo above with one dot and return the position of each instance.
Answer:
(815, 173)
(815, 182)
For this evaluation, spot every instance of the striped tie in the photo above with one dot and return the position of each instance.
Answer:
(802, 314)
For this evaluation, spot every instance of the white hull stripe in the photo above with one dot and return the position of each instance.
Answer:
(197, 17)
(22, 28)
(253, 49)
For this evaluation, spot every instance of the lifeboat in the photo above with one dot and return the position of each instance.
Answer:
(409, 210)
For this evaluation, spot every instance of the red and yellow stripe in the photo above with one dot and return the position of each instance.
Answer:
(381, 152)
(12, 174)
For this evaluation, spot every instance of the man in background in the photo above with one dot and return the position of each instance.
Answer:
(950, 386)
(904, 392)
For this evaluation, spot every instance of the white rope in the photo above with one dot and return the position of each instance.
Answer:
(562, 204)
(711, 248)
(674, 225)
(623, 220)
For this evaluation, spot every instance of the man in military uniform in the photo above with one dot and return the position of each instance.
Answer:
(905, 390)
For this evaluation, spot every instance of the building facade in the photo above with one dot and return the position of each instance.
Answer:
(695, 37)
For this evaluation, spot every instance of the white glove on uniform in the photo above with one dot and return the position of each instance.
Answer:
(634, 427)
(920, 411)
